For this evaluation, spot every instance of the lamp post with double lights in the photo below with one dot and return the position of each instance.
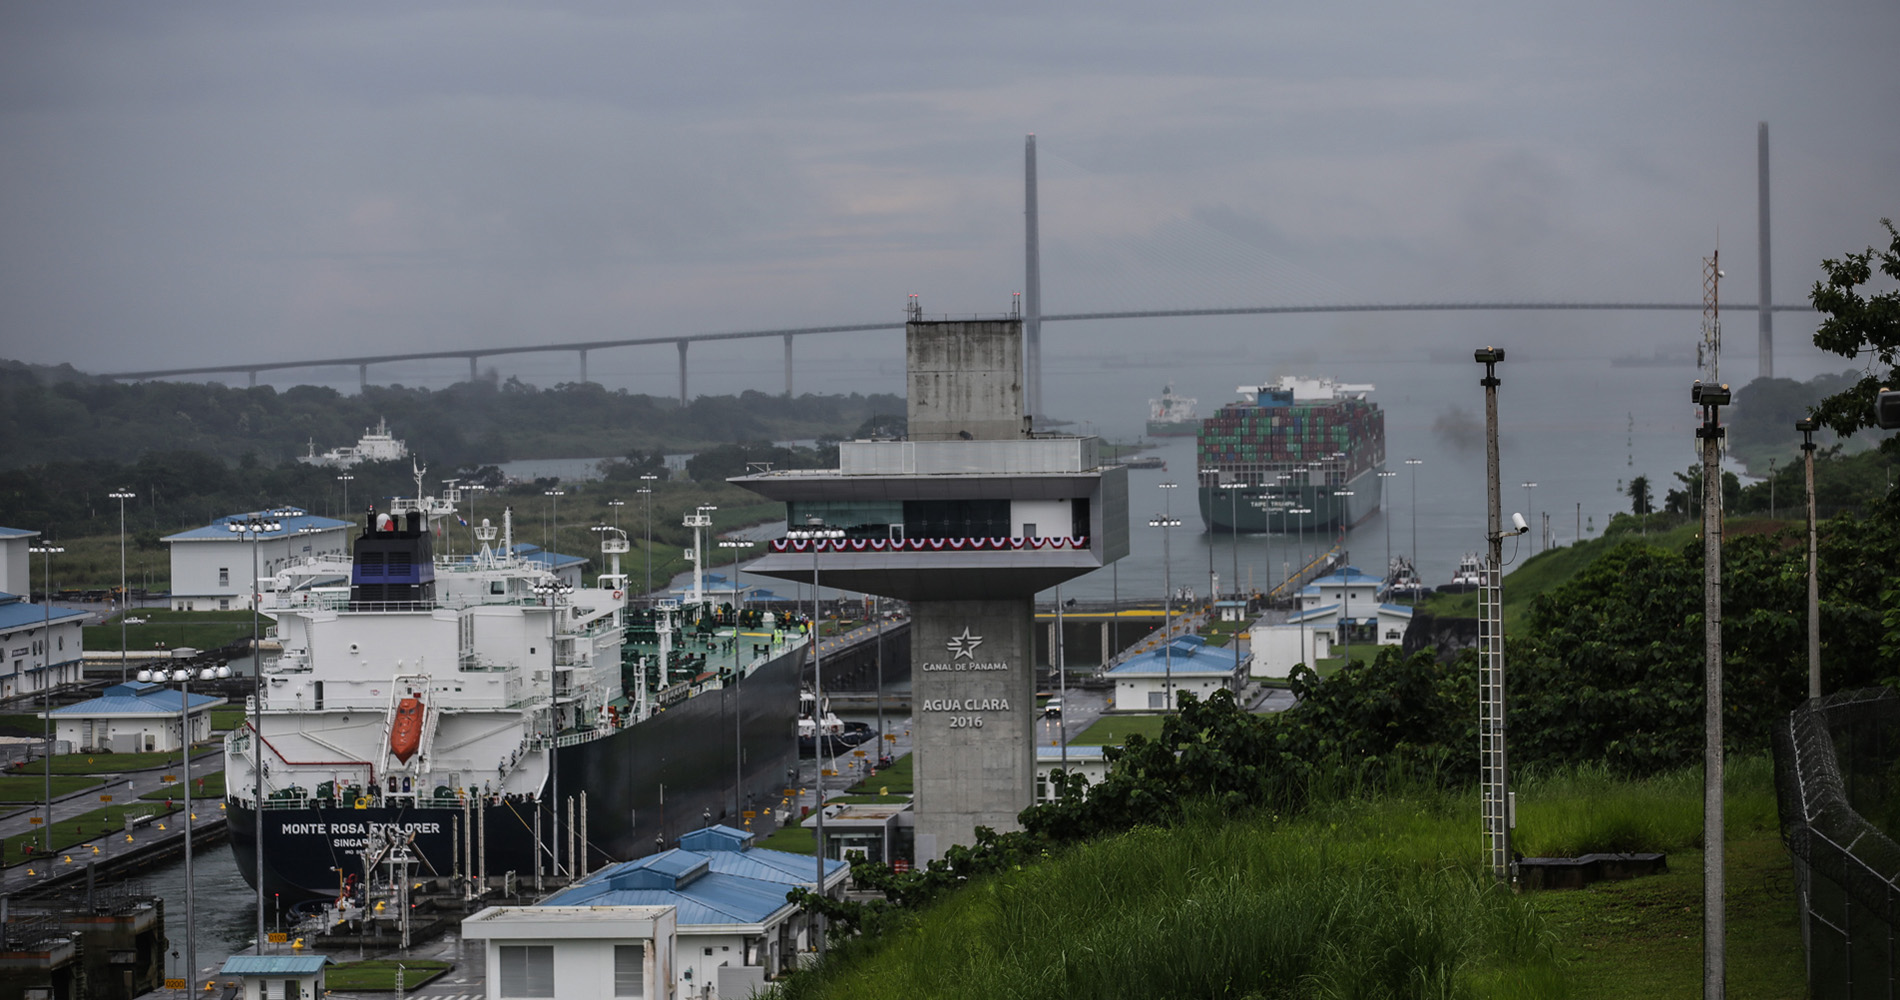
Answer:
(1386, 474)
(182, 678)
(738, 607)
(345, 478)
(122, 494)
(616, 503)
(549, 590)
(817, 534)
(554, 544)
(1213, 584)
(1233, 543)
(252, 527)
(1345, 566)
(1413, 464)
(48, 551)
(1166, 524)
(647, 490)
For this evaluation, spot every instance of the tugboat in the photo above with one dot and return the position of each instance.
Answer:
(1470, 576)
(1402, 582)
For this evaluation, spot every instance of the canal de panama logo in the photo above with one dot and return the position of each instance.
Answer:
(963, 645)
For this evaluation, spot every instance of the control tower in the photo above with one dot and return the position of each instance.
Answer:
(967, 520)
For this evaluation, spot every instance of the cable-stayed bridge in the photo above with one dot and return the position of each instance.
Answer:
(1032, 315)
(581, 348)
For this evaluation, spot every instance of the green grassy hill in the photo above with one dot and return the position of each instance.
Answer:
(1368, 895)
(1551, 569)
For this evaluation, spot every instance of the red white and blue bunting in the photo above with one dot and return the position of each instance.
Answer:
(927, 544)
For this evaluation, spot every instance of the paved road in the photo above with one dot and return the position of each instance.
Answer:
(123, 788)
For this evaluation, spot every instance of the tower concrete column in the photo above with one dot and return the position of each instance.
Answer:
(362, 377)
(471, 368)
(583, 353)
(788, 366)
(973, 685)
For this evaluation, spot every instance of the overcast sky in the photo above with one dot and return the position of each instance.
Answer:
(189, 182)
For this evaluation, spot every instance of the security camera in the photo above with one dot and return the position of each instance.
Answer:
(1887, 408)
(1807, 425)
(1517, 521)
(1488, 355)
(1704, 394)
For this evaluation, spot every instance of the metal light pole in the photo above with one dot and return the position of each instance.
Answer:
(549, 590)
(555, 543)
(1345, 564)
(1807, 427)
(1771, 489)
(1385, 474)
(1213, 582)
(1414, 463)
(738, 607)
(47, 550)
(182, 678)
(345, 478)
(252, 527)
(616, 503)
(1714, 921)
(122, 494)
(1494, 759)
(817, 534)
(1166, 524)
(648, 550)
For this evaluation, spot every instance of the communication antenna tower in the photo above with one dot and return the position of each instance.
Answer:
(1709, 352)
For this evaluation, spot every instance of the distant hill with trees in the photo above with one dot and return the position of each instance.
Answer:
(61, 415)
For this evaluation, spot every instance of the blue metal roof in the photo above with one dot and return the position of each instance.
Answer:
(16, 532)
(1186, 654)
(16, 612)
(290, 522)
(711, 899)
(1345, 576)
(725, 881)
(135, 698)
(274, 965)
(535, 554)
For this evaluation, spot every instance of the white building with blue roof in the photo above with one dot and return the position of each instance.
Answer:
(566, 568)
(16, 574)
(729, 897)
(1346, 603)
(1144, 681)
(40, 646)
(211, 566)
(132, 717)
(277, 977)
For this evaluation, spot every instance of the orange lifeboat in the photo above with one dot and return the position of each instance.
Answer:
(405, 737)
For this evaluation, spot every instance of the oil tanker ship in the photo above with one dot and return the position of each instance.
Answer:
(494, 719)
(1172, 415)
(1306, 453)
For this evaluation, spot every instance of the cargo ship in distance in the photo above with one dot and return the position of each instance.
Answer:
(1295, 445)
(1172, 415)
(460, 704)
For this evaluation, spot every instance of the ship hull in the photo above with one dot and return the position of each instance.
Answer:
(1173, 428)
(645, 784)
(1223, 513)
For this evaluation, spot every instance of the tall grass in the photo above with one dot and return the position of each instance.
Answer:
(1376, 890)
(1366, 899)
(1571, 811)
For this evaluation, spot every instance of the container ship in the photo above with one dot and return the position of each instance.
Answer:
(1172, 415)
(1296, 444)
(493, 719)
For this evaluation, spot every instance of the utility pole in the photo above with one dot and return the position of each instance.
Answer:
(1714, 957)
(1807, 427)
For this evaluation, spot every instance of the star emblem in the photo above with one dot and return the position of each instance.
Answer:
(964, 645)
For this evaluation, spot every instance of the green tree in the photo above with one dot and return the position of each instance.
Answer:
(1862, 327)
(1641, 500)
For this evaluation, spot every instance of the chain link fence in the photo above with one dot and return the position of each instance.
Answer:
(1835, 778)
